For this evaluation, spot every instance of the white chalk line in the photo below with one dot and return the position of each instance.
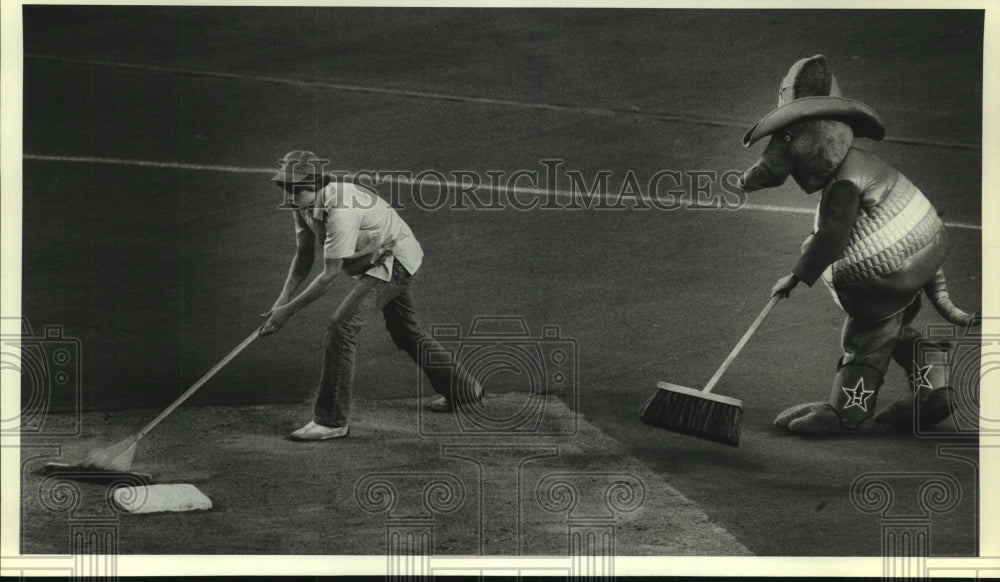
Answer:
(601, 111)
(451, 184)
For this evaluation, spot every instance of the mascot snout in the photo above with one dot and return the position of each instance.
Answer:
(760, 176)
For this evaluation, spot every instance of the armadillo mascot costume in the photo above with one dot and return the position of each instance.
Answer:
(877, 243)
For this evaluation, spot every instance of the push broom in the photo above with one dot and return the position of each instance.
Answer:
(118, 457)
(700, 413)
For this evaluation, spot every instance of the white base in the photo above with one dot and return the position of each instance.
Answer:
(158, 498)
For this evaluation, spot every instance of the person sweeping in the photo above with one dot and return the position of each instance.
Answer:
(877, 243)
(365, 238)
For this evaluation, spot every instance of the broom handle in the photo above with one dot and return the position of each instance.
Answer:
(199, 383)
(743, 341)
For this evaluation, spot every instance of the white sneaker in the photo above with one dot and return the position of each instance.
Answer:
(318, 432)
(442, 404)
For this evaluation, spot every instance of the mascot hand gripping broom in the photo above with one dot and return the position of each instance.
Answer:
(877, 243)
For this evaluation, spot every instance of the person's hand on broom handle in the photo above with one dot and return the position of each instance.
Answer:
(785, 285)
(280, 302)
(775, 297)
(277, 318)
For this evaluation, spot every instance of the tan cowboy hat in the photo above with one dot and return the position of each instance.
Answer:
(810, 90)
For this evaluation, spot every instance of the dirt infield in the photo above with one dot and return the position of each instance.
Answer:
(497, 495)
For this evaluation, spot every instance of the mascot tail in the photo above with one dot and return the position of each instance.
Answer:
(937, 292)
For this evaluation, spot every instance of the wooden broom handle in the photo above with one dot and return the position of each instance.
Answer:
(743, 341)
(208, 376)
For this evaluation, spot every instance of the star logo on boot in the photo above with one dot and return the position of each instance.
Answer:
(857, 396)
(919, 379)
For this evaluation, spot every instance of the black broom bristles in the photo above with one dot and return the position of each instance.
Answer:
(694, 412)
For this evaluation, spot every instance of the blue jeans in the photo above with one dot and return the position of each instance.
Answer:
(394, 300)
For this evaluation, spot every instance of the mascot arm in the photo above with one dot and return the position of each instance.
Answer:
(838, 211)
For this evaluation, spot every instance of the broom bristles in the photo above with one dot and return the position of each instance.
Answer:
(695, 413)
(117, 457)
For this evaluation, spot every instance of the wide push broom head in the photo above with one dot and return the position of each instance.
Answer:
(694, 412)
(113, 460)
(118, 457)
(103, 465)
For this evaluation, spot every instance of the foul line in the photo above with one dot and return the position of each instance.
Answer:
(397, 180)
(601, 111)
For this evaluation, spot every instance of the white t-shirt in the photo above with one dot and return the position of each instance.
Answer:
(346, 219)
